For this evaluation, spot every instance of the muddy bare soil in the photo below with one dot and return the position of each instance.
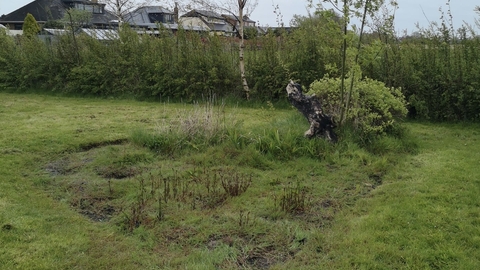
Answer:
(86, 179)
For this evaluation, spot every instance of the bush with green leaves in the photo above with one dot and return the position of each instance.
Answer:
(373, 109)
(313, 45)
(8, 60)
(266, 72)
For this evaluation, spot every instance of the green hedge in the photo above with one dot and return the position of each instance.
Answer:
(437, 70)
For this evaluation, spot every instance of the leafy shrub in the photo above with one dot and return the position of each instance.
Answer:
(8, 60)
(373, 107)
(265, 71)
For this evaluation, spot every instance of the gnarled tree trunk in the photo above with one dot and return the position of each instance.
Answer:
(321, 124)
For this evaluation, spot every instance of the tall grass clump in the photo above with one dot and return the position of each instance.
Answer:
(160, 194)
(294, 199)
(288, 144)
(193, 127)
(203, 125)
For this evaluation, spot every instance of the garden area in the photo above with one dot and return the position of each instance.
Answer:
(143, 152)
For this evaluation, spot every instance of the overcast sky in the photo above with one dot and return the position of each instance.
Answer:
(409, 13)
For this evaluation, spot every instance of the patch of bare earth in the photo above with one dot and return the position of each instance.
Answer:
(81, 194)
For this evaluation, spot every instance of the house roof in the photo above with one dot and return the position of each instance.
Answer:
(205, 13)
(153, 9)
(219, 25)
(42, 10)
(46, 10)
(234, 18)
(54, 32)
(111, 34)
(101, 34)
(153, 28)
(140, 15)
(105, 18)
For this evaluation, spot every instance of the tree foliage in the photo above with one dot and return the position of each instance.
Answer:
(76, 18)
(30, 26)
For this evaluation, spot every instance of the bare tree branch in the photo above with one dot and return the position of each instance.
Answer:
(121, 8)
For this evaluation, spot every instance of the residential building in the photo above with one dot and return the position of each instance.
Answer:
(235, 22)
(150, 15)
(150, 18)
(207, 20)
(53, 10)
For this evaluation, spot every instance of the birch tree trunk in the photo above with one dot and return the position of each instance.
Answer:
(246, 89)
(118, 12)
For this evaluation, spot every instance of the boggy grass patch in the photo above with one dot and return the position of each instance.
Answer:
(88, 180)
(161, 194)
(184, 203)
(120, 162)
(200, 195)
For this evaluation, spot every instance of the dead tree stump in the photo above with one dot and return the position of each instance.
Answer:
(321, 124)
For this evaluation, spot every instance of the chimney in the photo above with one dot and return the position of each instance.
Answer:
(175, 11)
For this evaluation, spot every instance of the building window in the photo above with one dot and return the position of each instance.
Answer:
(168, 18)
(88, 8)
(214, 20)
(97, 9)
(160, 17)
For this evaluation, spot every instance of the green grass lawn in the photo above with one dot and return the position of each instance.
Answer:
(426, 215)
(106, 184)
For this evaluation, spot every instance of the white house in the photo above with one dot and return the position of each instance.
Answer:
(207, 20)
